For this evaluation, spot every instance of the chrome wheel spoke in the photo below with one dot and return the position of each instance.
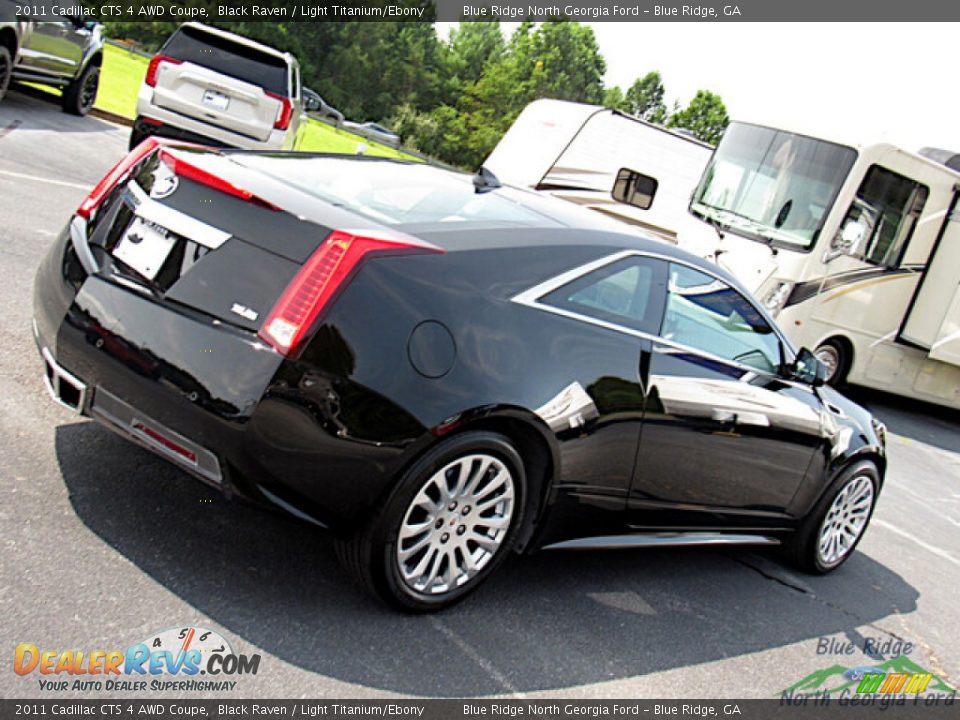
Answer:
(455, 524)
(845, 520)
(411, 550)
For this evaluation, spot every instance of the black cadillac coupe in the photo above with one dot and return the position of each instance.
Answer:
(438, 371)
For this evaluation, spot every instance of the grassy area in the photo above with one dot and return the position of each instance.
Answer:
(120, 80)
(122, 76)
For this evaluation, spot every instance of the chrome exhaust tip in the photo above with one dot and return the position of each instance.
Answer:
(65, 388)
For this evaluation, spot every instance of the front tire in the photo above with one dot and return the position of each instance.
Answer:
(80, 95)
(445, 528)
(6, 70)
(831, 532)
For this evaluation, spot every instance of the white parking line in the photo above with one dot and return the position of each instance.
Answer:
(49, 181)
(925, 545)
(472, 653)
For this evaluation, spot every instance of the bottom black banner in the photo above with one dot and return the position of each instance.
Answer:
(795, 707)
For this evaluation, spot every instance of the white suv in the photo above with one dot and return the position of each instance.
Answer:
(216, 88)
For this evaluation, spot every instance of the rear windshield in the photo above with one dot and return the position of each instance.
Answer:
(396, 193)
(225, 56)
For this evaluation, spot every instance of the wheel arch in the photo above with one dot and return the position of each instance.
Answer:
(94, 59)
(8, 39)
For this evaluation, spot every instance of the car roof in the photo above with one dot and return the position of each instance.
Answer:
(541, 220)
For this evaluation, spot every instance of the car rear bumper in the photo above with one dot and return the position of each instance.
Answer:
(71, 392)
(210, 397)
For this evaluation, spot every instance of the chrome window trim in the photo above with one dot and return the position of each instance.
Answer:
(531, 298)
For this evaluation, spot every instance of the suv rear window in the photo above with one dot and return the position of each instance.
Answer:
(231, 58)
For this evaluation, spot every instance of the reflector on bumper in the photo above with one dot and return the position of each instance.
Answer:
(126, 420)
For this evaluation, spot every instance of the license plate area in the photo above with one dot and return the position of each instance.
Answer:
(144, 247)
(216, 100)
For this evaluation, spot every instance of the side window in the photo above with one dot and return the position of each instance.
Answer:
(886, 208)
(634, 188)
(706, 314)
(628, 292)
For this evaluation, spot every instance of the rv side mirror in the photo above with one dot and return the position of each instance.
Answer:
(807, 369)
(847, 241)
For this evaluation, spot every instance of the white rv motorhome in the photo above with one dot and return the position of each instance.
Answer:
(855, 248)
(602, 159)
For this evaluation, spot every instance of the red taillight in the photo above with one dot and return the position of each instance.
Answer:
(185, 169)
(323, 275)
(118, 172)
(115, 176)
(286, 111)
(151, 78)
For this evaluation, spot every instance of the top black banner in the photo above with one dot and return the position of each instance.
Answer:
(479, 10)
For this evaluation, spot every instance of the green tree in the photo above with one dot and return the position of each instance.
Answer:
(706, 117)
(645, 98)
(473, 45)
(614, 99)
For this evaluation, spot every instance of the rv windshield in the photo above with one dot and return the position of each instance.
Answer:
(772, 185)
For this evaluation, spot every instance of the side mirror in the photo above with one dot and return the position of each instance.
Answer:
(807, 369)
(848, 241)
(311, 101)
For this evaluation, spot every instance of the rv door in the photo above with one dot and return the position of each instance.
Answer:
(933, 320)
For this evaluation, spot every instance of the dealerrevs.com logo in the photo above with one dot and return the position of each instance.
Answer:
(179, 659)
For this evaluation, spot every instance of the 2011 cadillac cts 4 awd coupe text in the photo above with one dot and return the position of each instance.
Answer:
(439, 372)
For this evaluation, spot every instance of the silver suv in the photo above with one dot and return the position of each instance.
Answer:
(66, 53)
(216, 88)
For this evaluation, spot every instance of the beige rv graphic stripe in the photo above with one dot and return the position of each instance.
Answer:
(805, 290)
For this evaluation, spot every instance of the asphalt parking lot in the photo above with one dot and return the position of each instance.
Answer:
(103, 544)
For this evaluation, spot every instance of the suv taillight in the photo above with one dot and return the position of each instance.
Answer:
(285, 113)
(324, 274)
(151, 77)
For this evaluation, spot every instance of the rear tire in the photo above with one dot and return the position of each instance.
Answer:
(448, 524)
(828, 536)
(137, 137)
(80, 95)
(835, 355)
(6, 70)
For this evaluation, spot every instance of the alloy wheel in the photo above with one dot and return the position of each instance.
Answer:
(830, 357)
(455, 524)
(88, 93)
(845, 521)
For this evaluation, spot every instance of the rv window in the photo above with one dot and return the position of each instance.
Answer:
(634, 188)
(888, 206)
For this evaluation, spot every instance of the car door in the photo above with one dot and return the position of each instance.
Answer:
(52, 49)
(598, 410)
(725, 437)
